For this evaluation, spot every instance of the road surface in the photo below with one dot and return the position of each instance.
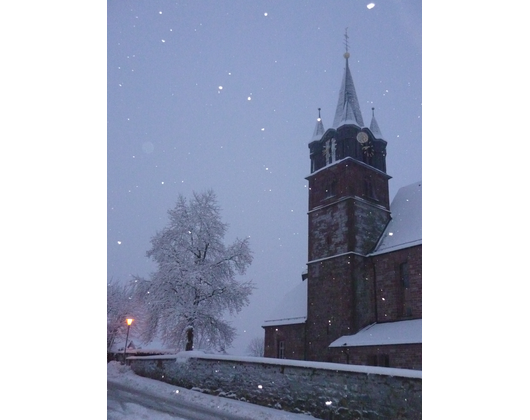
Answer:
(119, 398)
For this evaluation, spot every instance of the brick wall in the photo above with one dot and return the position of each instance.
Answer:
(403, 356)
(340, 302)
(293, 338)
(392, 297)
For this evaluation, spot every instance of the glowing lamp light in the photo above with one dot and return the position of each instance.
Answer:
(129, 322)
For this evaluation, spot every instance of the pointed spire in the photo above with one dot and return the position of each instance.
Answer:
(348, 115)
(319, 128)
(347, 96)
(374, 127)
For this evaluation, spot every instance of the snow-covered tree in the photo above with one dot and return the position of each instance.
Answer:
(195, 283)
(120, 305)
(256, 347)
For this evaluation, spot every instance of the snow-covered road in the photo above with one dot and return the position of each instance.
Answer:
(132, 397)
(122, 399)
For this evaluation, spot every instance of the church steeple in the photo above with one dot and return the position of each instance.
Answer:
(374, 127)
(348, 110)
(319, 128)
(348, 211)
(348, 137)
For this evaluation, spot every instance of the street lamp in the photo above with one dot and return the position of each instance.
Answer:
(129, 322)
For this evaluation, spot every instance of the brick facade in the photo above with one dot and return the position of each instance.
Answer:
(285, 341)
(398, 298)
(403, 356)
(340, 302)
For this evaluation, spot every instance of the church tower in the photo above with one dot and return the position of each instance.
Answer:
(348, 211)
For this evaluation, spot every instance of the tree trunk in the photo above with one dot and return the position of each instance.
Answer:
(189, 344)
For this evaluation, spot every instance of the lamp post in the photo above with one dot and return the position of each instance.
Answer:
(129, 322)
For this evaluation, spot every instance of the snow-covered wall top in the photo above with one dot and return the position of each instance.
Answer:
(375, 370)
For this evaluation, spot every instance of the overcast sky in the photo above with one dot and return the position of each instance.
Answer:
(224, 95)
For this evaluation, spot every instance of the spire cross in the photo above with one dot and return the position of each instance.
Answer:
(346, 39)
(319, 113)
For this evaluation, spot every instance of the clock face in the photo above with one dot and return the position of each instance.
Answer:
(362, 137)
(368, 150)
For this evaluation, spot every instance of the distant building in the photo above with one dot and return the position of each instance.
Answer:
(359, 301)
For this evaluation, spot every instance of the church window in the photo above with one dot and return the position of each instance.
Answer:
(281, 349)
(326, 151)
(404, 274)
(379, 360)
(383, 360)
(405, 284)
(329, 151)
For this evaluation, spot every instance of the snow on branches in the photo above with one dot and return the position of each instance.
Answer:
(120, 305)
(195, 281)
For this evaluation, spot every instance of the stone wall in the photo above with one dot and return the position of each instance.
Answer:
(324, 390)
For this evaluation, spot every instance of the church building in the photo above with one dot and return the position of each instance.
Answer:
(359, 301)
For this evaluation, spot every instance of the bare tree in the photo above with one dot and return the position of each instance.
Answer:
(120, 305)
(256, 347)
(195, 283)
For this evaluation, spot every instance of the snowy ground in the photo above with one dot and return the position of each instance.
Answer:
(129, 411)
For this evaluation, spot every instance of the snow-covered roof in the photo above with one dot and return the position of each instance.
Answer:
(339, 161)
(399, 332)
(292, 309)
(404, 230)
